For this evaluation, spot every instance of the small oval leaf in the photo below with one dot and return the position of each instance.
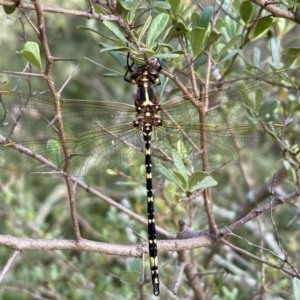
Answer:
(176, 30)
(231, 43)
(115, 29)
(296, 286)
(262, 26)
(170, 175)
(208, 181)
(197, 40)
(31, 53)
(179, 165)
(205, 17)
(144, 28)
(246, 10)
(195, 178)
(156, 28)
(297, 12)
(10, 9)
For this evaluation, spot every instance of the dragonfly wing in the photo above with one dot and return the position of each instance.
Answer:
(95, 130)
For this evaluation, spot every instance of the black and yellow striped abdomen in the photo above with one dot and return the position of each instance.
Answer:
(150, 211)
(147, 120)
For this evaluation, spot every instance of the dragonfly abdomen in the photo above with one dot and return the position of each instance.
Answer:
(147, 119)
(150, 211)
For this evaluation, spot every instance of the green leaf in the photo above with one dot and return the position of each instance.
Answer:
(104, 67)
(290, 170)
(170, 175)
(293, 54)
(149, 53)
(119, 57)
(182, 179)
(290, 61)
(230, 28)
(296, 288)
(131, 15)
(246, 10)
(115, 30)
(159, 4)
(53, 151)
(212, 38)
(107, 37)
(31, 53)
(181, 148)
(108, 46)
(197, 40)
(295, 51)
(127, 5)
(205, 17)
(266, 113)
(196, 177)
(156, 28)
(118, 48)
(256, 57)
(144, 28)
(167, 55)
(176, 30)
(262, 26)
(231, 43)
(10, 9)
(164, 45)
(276, 50)
(179, 165)
(202, 60)
(207, 182)
(195, 18)
(231, 54)
(175, 7)
(92, 30)
(297, 12)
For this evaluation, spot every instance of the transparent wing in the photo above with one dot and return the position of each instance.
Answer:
(238, 122)
(100, 134)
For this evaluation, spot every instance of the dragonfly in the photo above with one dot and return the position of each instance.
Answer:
(239, 124)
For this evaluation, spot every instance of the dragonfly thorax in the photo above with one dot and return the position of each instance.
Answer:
(144, 74)
(148, 115)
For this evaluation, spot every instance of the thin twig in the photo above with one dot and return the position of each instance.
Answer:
(179, 277)
(58, 114)
(284, 270)
(8, 264)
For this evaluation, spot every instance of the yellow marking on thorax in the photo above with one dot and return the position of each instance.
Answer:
(147, 102)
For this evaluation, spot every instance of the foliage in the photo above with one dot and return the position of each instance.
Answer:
(200, 48)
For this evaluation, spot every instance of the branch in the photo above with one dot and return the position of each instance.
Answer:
(8, 264)
(56, 97)
(276, 11)
(90, 15)
(57, 10)
(138, 250)
(258, 211)
(259, 195)
(284, 270)
(86, 187)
